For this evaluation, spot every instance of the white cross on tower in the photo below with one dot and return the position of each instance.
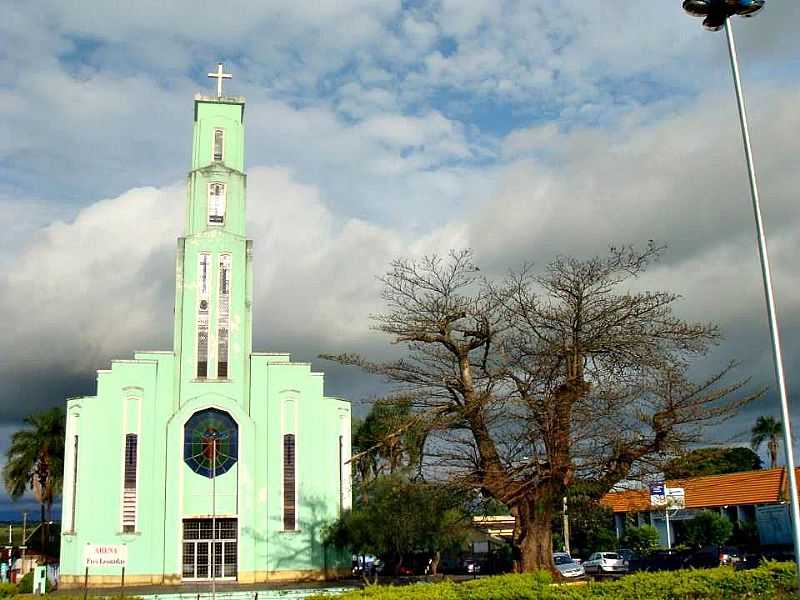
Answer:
(219, 76)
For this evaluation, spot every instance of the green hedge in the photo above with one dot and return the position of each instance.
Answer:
(770, 581)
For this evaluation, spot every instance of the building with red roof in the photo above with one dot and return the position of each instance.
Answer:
(749, 497)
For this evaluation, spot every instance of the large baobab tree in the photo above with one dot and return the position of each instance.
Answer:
(539, 380)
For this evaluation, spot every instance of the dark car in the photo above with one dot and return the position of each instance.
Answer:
(706, 558)
(715, 556)
(660, 560)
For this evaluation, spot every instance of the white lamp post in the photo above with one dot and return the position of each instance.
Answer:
(717, 15)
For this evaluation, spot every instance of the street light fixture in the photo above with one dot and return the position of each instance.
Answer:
(717, 15)
(716, 12)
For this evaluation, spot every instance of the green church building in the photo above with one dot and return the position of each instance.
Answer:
(210, 460)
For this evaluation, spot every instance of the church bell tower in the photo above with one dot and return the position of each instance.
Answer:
(209, 461)
(213, 275)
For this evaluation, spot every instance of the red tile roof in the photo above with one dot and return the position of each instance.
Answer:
(766, 486)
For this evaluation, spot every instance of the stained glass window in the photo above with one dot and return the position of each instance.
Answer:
(210, 442)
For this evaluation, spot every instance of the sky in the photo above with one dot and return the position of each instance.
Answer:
(375, 130)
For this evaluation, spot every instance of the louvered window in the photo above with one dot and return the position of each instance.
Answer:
(223, 316)
(129, 486)
(289, 492)
(74, 483)
(218, 143)
(202, 316)
(216, 202)
(341, 473)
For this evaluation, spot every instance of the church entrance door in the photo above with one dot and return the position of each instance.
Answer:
(198, 539)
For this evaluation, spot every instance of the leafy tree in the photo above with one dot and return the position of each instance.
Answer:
(389, 435)
(707, 528)
(712, 461)
(35, 461)
(489, 507)
(767, 430)
(745, 533)
(642, 540)
(388, 440)
(591, 524)
(531, 382)
(402, 518)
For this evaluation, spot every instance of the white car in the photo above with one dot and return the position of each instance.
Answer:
(605, 563)
(567, 566)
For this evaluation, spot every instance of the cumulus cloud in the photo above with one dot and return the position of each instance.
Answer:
(377, 129)
(316, 268)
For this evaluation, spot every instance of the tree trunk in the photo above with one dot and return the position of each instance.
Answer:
(42, 532)
(435, 563)
(533, 536)
(398, 565)
(772, 446)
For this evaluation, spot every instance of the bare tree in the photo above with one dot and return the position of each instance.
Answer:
(532, 382)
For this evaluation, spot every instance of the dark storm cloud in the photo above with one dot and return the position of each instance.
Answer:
(365, 143)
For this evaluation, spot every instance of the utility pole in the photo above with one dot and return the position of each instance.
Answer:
(669, 537)
(24, 528)
(566, 527)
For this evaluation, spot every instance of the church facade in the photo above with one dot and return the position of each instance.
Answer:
(210, 460)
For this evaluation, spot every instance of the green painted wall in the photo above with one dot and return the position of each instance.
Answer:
(154, 395)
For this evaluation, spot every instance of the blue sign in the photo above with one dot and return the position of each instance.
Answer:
(658, 495)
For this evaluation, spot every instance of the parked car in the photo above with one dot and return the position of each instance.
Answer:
(472, 566)
(605, 563)
(716, 556)
(626, 554)
(660, 560)
(705, 558)
(567, 566)
(366, 566)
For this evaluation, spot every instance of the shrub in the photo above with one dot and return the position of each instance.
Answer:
(7, 589)
(642, 540)
(25, 585)
(708, 528)
(770, 581)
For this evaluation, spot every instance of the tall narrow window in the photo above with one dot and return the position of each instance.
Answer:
(289, 510)
(204, 272)
(341, 474)
(218, 144)
(74, 482)
(129, 484)
(223, 315)
(216, 202)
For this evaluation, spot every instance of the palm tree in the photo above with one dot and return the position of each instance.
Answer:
(35, 461)
(768, 430)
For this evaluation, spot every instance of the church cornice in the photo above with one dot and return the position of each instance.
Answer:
(238, 100)
(214, 232)
(216, 167)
